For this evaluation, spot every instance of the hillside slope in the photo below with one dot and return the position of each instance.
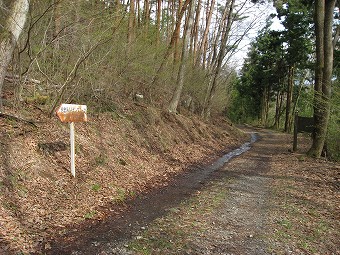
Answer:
(118, 155)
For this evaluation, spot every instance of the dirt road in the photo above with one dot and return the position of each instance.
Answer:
(234, 209)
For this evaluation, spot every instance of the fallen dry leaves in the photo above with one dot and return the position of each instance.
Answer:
(117, 156)
(306, 203)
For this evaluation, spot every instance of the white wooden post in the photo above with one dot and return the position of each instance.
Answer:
(72, 113)
(73, 169)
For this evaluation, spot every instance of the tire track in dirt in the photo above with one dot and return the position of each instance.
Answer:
(247, 205)
(240, 222)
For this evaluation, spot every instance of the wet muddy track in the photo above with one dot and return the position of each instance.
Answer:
(125, 220)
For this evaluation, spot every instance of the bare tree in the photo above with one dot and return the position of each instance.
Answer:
(15, 23)
(185, 50)
(178, 30)
(57, 15)
(172, 43)
(158, 20)
(132, 20)
(146, 16)
(217, 60)
(203, 46)
(194, 37)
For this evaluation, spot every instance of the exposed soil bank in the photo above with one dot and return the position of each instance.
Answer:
(118, 156)
(123, 222)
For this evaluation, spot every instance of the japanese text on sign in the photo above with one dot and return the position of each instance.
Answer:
(72, 113)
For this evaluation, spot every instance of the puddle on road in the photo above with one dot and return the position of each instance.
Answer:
(143, 209)
(224, 159)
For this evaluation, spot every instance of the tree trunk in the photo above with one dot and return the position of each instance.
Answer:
(185, 50)
(290, 87)
(301, 83)
(194, 38)
(281, 110)
(138, 14)
(14, 26)
(172, 42)
(117, 11)
(57, 13)
(323, 73)
(218, 36)
(208, 57)
(277, 111)
(171, 23)
(178, 31)
(203, 46)
(267, 105)
(216, 67)
(264, 106)
(146, 16)
(131, 25)
(158, 21)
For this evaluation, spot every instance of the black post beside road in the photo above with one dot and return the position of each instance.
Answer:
(302, 125)
(295, 130)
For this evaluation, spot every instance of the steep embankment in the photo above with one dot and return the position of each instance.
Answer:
(118, 155)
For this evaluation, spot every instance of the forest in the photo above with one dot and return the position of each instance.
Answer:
(177, 55)
(188, 144)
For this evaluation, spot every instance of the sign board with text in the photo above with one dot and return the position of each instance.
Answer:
(72, 113)
(305, 124)
(302, 125)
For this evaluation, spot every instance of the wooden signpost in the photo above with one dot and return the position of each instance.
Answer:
(72, 113)
(302, 125)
